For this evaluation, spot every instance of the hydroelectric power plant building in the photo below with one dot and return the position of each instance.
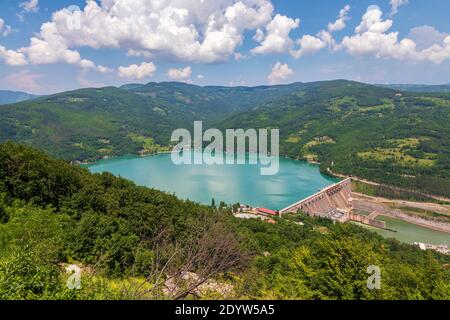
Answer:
(333, 202)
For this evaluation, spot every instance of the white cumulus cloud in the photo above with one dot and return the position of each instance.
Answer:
(309, 44)
(137, 72)
(276, 39)
(24, 80)
(372, 37)
(180, 74)
(340, 23)
(30, 6)
(395, 4)
(5, 30)
(11, 57)
(205, 32)
(426, 36)
(280, 72)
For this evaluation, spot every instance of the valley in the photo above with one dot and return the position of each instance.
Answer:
(224, 159)
(351, 128)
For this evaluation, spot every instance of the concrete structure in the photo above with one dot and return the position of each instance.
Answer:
(337, 197)
(443, 248)
(333, 202)
(367, 220)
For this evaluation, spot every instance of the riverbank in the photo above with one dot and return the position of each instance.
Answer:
(141, 155)
(375, 207)
(228, 183)
(419, 194)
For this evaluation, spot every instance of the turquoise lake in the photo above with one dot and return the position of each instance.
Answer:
(244, 184)
(229, 183)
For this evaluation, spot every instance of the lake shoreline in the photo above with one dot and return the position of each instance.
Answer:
(295, 180)
(328, 172)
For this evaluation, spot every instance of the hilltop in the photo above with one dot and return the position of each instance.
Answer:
(381, 134)
(418, 87)
(362, 130)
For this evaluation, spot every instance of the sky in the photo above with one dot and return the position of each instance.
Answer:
(49, 46)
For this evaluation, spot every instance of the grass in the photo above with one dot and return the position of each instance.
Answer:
(395, 154)
(425, 213)
(389, 192)
(402, 152)
(148, 143)
(308, 154)
(387, 105)
(293, 139)
(437, 101)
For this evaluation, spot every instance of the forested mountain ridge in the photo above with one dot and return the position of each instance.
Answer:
(356, 129)
(213, 101)
(377, 133)
(53, 215)
(7, 96)
(94, 123)
(418, 87)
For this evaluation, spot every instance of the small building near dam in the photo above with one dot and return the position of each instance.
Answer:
(266, 212)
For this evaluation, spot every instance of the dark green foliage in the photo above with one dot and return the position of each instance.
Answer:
(89, 124)
(389, 192)
(59, 214)
(108, 216)
(313, 262)
(419, 87)
(354, 120)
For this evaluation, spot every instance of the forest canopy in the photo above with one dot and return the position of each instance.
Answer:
(137, 243)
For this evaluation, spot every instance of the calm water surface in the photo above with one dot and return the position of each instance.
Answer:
(229, 183)
(244, 184)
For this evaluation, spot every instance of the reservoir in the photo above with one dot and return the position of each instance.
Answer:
(229, 183)
(244, 184)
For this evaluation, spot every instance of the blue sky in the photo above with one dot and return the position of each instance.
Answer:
(45, 48)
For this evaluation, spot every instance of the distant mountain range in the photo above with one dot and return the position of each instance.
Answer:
(92, 123)
(7, 97)
(418, 87)
(350, 127)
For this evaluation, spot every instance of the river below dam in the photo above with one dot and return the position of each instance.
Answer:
(243, 184)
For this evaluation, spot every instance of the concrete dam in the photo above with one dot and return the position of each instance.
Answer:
(333, 202)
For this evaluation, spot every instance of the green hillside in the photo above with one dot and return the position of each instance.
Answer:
(351, 128)
(86, 123)
(95, 123)
(418, 87)
(129, 240)
(357, 129)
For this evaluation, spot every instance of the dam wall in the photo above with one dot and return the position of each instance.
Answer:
(334, 202)
(333, 199)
